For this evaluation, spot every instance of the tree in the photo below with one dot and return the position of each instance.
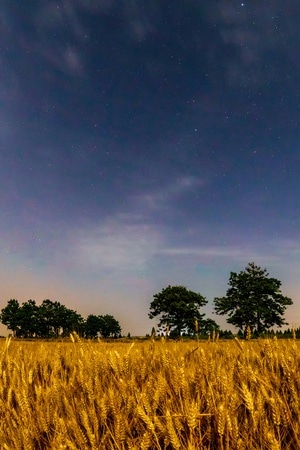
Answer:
(109, 326)
(10, 316)
(52, 319)
(71, 321)
(29, 319)
(52, 316)
(253, 299)
(208, 326)
(92, 326)
(177, 308)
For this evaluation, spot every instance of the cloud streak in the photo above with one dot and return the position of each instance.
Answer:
(279, 247)
(169, 193)
(256, 32)
(117, 245)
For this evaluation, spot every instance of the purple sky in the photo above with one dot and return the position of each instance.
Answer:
(147, 143)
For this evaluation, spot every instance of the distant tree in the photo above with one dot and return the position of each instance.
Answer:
(226, 334)
(110, 327)
(253, 299)
(29, 320)
(52, 317)
(71, 321)
(208, 326)
(10, 316)
(177, 309)
(92, 326)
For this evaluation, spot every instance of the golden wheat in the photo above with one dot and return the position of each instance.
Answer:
(152, 395)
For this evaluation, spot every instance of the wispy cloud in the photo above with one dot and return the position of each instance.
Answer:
(213, 251)
(272, 255)
(269, 249)
(256, 32)
(165, 195)
(117, 245)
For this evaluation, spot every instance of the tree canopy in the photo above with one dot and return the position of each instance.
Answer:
(105, 326)
(10, 315)
(177, 309)
(52, 319)
(110, 327)
(254, 299)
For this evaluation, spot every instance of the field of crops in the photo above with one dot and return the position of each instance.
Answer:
(150, 395)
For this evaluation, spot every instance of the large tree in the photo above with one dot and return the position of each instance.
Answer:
(254, 299)
(177, 308)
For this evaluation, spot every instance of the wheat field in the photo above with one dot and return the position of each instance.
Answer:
(150, 395)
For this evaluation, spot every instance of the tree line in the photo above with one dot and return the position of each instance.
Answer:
(51, 319)
(253, 303)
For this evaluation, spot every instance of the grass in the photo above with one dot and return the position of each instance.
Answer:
(149, 395)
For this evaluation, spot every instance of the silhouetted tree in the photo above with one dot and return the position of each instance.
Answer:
(29, 319)
(10, 316)
(92, 326)
(110, 327)
(208, 326)
(71, 321)
(253, 299)
(47, 320)
(177, 308)
(52, 316)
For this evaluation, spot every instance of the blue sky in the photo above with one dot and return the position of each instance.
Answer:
(146, 144)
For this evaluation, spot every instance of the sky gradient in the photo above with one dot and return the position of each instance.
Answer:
(147, 143)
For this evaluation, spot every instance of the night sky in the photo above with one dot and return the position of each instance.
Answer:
(147, 143)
